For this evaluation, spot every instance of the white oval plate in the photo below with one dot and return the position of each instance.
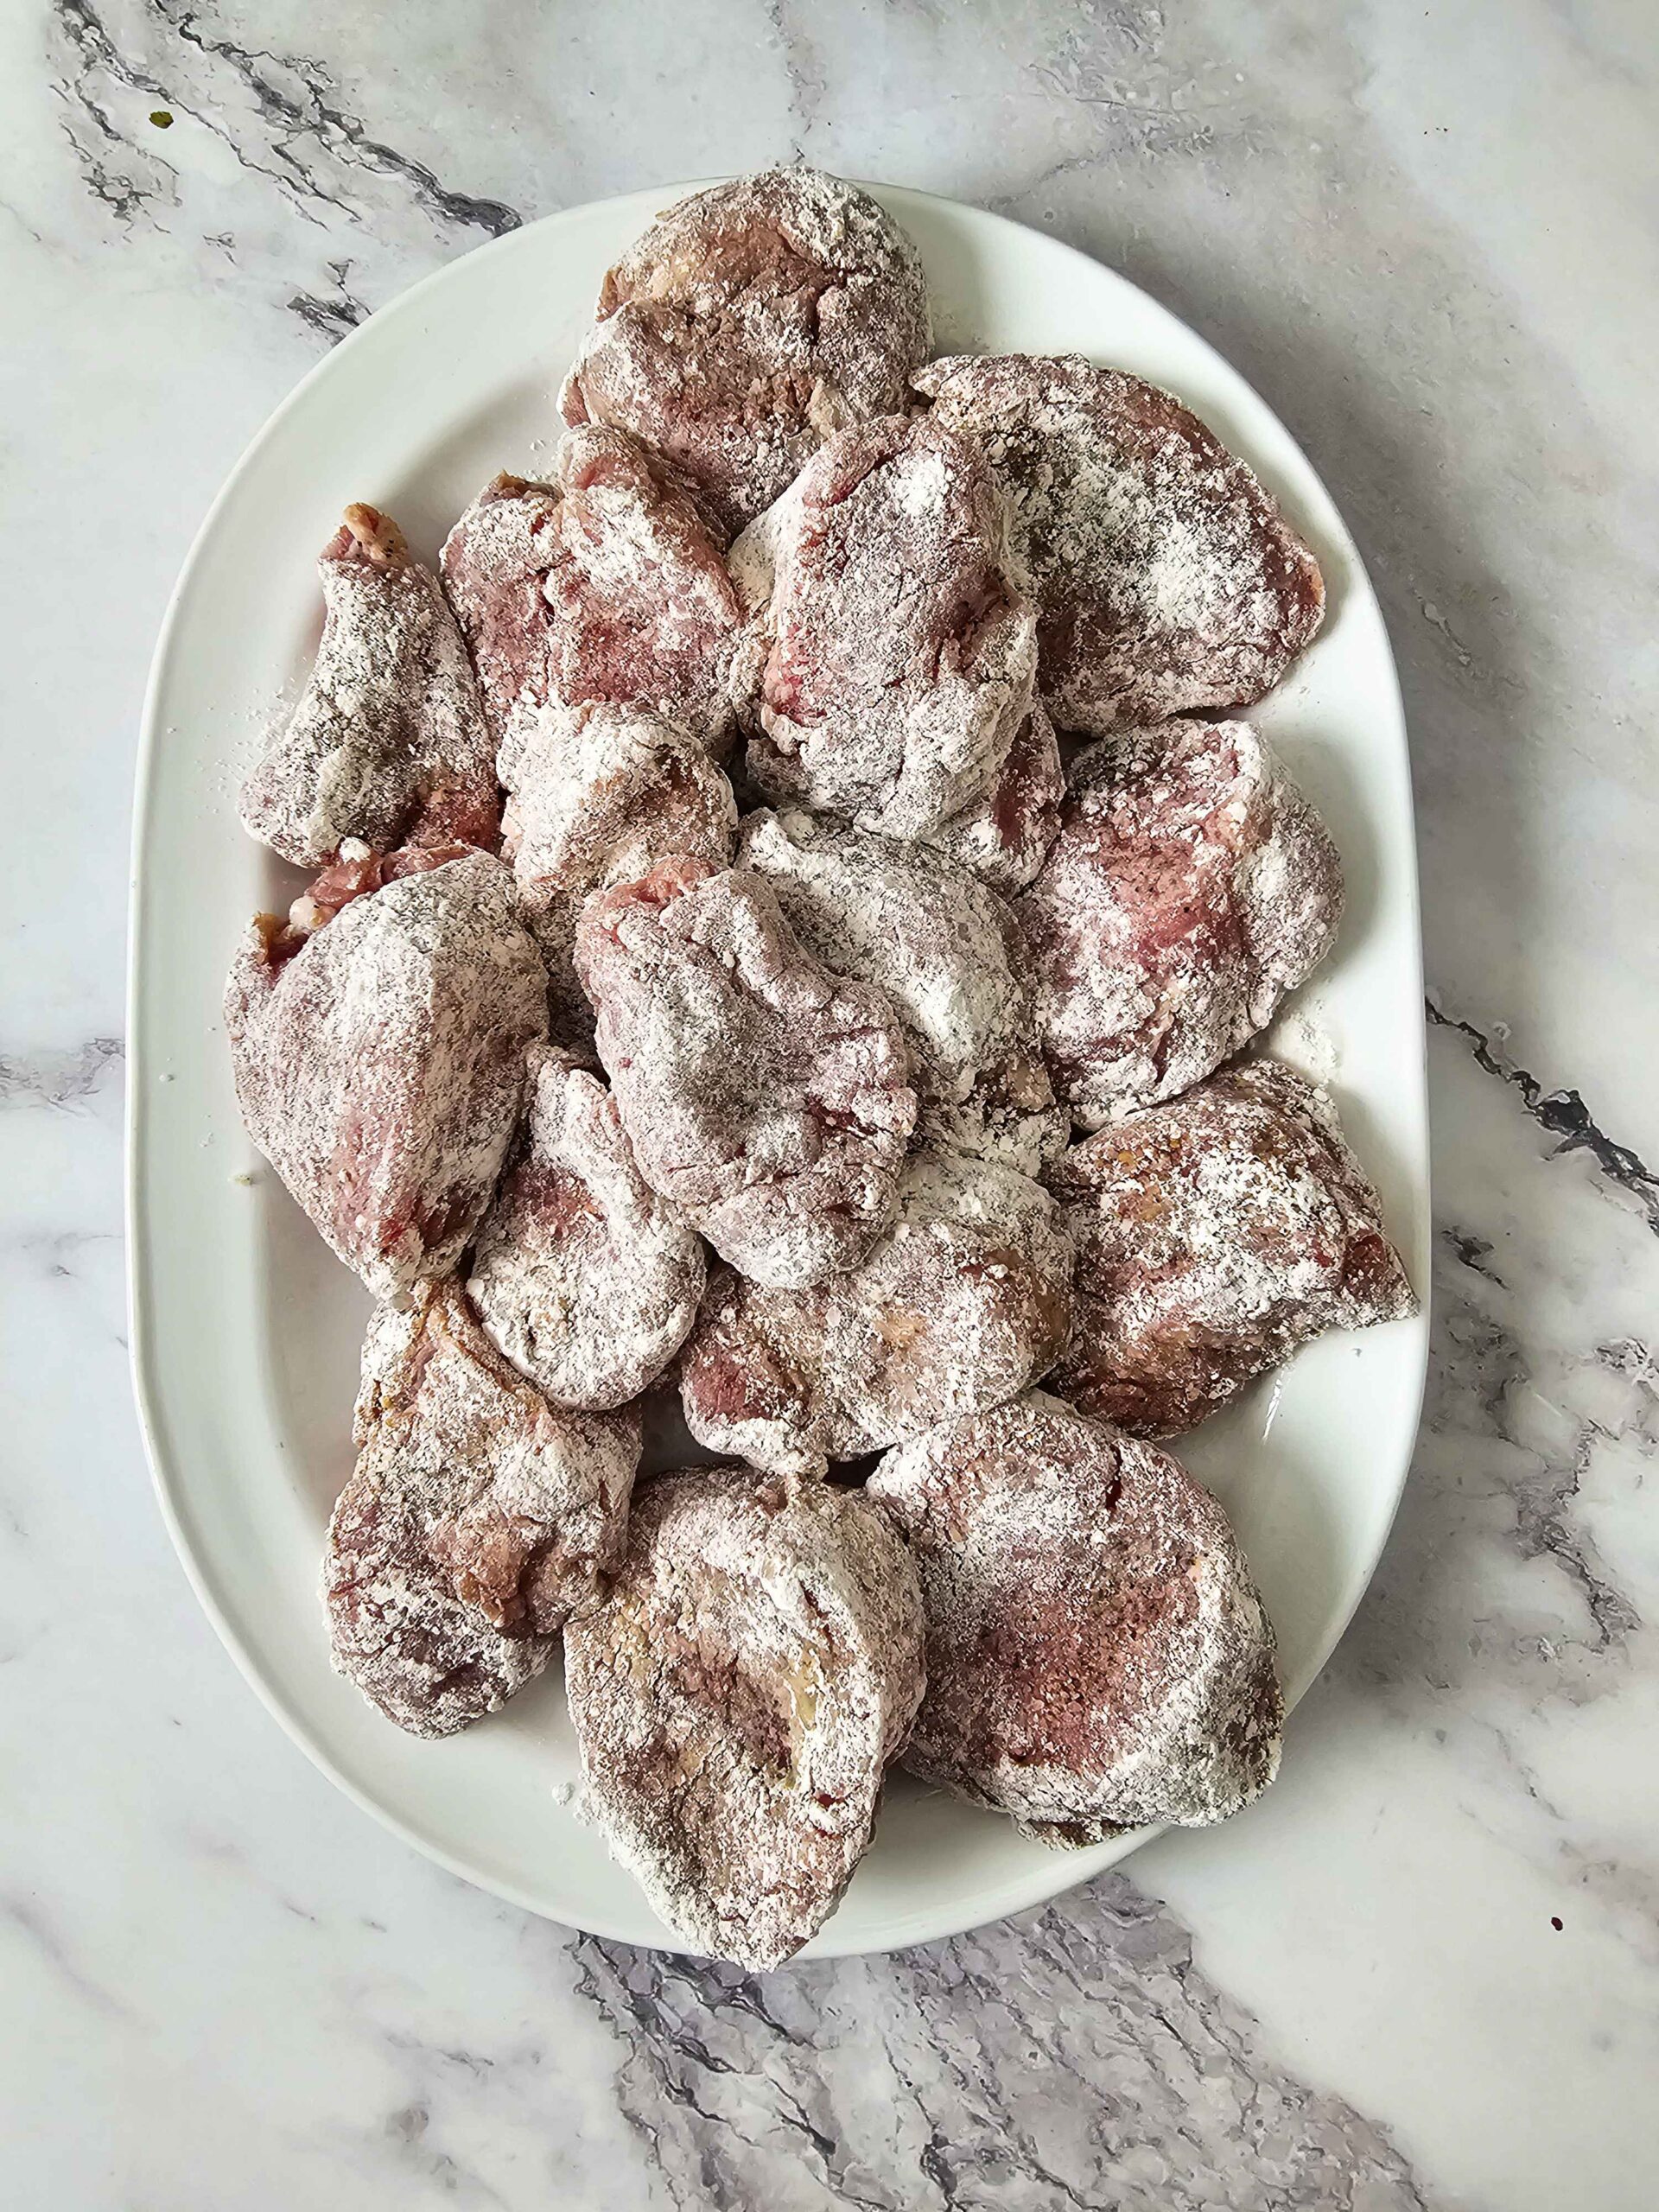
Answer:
(244, 1329)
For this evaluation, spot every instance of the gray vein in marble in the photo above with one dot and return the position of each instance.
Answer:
(406, 2130)
(224, 1851)
(331, 317)
(802, 65)
(14, 213)
(26, 1916)
(470, 2062)
(1483, 1358)
(314, 110)
(58, 1079)
(302, 128)
(1564, 1115)
(1472, 1251)
(97, 54)
(1074, 2057)
(125, 196)
(1520, 1410)
(1051, 173)
(1113, 67)
(1545, 1528)
(52, 1252)
(1466, 661)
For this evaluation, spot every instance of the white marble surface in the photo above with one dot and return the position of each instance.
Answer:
(1425, 1971)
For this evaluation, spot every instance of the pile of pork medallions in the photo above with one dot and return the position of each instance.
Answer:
(713, 974)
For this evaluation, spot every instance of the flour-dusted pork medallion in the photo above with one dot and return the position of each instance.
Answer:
(581, 1275)
(389, 744)
(379, 1060)
(891, 654)
(747, 324)
(1005, 836)
(494, 562)
(964, 1303)
(1098, 1658)
(1215, 1235)
(736, 1696)
(477, 1519)
(768, 1099)
(1191, 885)
(1165, 578)
(943, 947)
(607, 586)
(597, 795)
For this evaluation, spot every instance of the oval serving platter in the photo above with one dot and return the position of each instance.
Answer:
(246, 1331)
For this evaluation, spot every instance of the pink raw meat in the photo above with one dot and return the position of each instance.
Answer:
(608, 586)
(1165, 575)
(379, 1060)
(749, 323)
(891, 653)
(766, 1097)
(389, 744)
(1191, 885)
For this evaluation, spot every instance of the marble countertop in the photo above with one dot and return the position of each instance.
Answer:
(1424, 1972)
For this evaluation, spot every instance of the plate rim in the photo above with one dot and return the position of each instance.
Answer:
(1045, 1880)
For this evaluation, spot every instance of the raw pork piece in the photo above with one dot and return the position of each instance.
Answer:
(607, 587)
(767, 1098)
(1098, 1658)
(476, 1521)
(944, 948)
(736, 1697)
(1191, 885)
(891, 655)
(581, 1275)
(389, 744)
(1215, 1235)
(379, 1059)
(965, 1302)
(1165, 577)
(597, 796)
(749, 323)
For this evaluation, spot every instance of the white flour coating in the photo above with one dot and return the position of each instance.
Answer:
(965, 1302)
(766, 1098)
(891, 658)
(1191, 886)
(476, 1521)
(1165, 577)
(494, 562)
(381, 1068)
(597, 795)
(747, 324)
(1215, 1235)
(609, 585)
(751, 562)
(1305, 1041)
(388, 743)
(1097, 1656)
(736, 1697)
(581, 1275)
(943, 949)
(1005, 836)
